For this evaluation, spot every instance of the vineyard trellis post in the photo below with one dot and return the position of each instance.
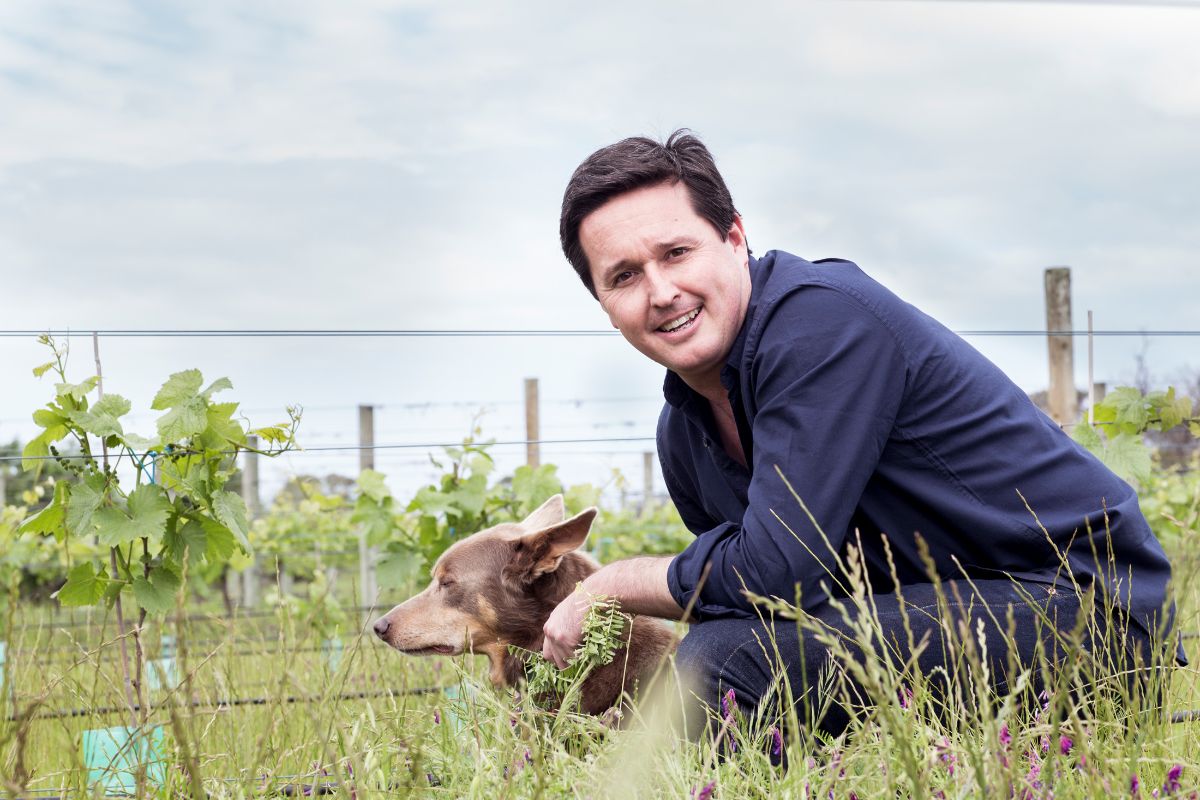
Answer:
(1061, 398)
(532, 451)
(647, 480)
(250, 578)
(366, 554)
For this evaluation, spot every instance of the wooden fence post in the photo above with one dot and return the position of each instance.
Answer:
(367, 589)
(1061, 398)
(647, 480)
(532, 451)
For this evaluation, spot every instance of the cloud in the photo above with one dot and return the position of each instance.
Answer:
(368, 165)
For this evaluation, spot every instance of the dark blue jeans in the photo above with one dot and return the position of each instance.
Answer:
(741, 654)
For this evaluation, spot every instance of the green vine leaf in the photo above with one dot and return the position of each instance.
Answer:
(399, 567)
(219, 385)
(1126, 455)
(51, 519)
(183, 420)
(189, 538)
(38, 448)
(1089, 437)
(230, 510)
(179, 389)
(76, 391)
(102, 419)
(222, 429)
(149, 509)
(156, 593)
(86, 498)
(220, 541)
(84, 586)
(373, 485)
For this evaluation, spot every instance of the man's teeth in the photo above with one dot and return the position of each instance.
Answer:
(676, 323)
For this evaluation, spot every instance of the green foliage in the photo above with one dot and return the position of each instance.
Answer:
(1116, 434)
(1171, 502)
(462, 502)
(177, 514)
(653, 530)
(314, 607)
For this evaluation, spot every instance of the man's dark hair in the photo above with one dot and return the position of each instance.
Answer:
(635, 163)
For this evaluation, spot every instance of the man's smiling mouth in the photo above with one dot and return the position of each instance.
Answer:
(681, 322)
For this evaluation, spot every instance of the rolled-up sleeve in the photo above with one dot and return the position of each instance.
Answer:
(827, 379)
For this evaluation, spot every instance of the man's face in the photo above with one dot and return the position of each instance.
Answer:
(669, 284)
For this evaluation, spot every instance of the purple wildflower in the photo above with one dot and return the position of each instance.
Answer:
(706, 792)
(853, 796)
(946, 756)
(1172, 784)
(528, 757)
(728, 704)
(1065, 744)
(1035, 772)
(1005, 736)
(906, 697)
(776, 741)
(1134, 785)
(437, 717)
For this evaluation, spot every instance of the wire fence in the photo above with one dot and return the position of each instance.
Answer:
(428, 333)
(219, 703)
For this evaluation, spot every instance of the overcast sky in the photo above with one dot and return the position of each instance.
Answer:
(377, 165)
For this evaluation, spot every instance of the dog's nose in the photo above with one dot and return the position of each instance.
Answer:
(381, 627)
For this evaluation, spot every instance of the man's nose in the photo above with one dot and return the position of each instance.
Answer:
(662, 290)
(381, 627)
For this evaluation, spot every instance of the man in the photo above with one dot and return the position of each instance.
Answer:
(789, 375)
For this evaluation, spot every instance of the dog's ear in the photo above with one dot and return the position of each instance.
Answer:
(548, 513)
(540, 552)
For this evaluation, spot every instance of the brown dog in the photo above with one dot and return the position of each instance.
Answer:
(497, 588)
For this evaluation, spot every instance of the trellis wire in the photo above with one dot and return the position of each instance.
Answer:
(482, 332)
(63, 713)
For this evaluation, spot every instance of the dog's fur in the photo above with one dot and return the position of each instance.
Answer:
(497, 588)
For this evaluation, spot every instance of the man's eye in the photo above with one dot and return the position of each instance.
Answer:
(676, 252)
(622, 277)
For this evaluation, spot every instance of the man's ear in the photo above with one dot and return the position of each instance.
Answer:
(736, 235)
(548, 513)
(540, 552)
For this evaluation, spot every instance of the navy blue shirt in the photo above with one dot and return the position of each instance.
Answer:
(884, 423)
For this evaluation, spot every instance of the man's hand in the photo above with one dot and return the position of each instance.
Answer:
(639, 585)
(564, 629)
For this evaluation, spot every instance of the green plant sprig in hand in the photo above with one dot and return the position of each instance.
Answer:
(548, 686)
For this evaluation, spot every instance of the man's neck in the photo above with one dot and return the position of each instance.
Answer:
(709, 387)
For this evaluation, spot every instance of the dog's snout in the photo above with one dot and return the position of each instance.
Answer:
(381, 627)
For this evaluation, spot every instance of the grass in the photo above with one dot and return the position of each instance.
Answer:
(404, 741)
